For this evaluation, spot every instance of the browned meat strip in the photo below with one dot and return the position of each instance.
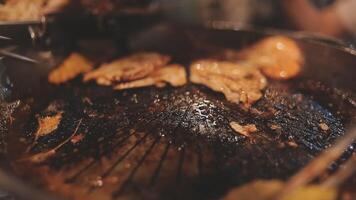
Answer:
(74, 65)
(130, 68)
(173, 74)
(239, 83)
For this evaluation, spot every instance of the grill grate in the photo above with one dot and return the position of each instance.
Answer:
(175, 142)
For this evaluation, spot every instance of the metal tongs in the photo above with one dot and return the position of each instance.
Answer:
(7, 52)
(36, 30)
(320, 164)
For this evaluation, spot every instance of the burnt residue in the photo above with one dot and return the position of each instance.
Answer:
(6, 118)
(340, 102)
(163, 141)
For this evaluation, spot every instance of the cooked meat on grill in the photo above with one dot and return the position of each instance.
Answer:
(133, 67)
(173, 74)
(74, 65)
(279, 57)
(239, 83)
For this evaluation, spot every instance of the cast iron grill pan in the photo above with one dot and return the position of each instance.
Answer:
(176, 143)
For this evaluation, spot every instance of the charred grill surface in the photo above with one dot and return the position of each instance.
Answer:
(171, 142)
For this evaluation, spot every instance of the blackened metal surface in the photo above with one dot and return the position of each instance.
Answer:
(176, 140)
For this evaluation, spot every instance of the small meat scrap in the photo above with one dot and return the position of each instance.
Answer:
(133, 67)
(48, 124)
(275, 127)
(245, 130)
(74, 65)
(292, 144)
(279, 57)
(173, 74)
(77, 138)
(324, 126)
(239, 83)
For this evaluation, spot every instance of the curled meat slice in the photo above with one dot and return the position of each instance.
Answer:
(130, 68)
(239, 83)
(278, 57)
(74, 65)
(173, 74)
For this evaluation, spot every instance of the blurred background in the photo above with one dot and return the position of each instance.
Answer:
(325, 18)
(328, 18)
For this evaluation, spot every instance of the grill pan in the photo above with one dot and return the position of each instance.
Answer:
(169, 143)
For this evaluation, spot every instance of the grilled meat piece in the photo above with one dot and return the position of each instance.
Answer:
(174, 74)
(129, 68)
(278, 57)
(239, 83)
(74, 65)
